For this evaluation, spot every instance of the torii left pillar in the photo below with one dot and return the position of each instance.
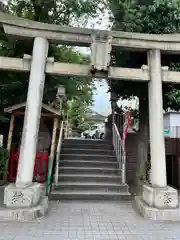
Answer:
(26, 194)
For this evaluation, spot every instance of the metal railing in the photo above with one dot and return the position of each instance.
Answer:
(58, 151)
(120, 151)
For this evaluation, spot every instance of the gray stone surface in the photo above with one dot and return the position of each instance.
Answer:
(22, 196)
(166, 197)
(90, 221)
(171, 214)
(19, 28)
(24, 214)
(26, 23)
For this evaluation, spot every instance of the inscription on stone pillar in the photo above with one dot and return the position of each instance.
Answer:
(18, 197)
(167, 198)
(100, 52)
(26, 196)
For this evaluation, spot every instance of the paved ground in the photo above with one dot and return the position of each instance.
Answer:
(90, 221)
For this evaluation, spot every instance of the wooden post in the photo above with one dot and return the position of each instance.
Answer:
(11, 128)
(53, 142)
(9, 142)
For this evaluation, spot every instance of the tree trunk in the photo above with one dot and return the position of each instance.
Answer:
(143, 145)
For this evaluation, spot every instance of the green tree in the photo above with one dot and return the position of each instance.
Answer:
(14, 85)
(77, 112)
(60, 12)
(78, 107)
(158, 17)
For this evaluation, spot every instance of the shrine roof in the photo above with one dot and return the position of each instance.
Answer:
(22, 105)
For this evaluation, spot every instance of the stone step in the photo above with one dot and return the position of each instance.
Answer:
(82, 141)
(88, 163)
(88, 170)
(87, 157)
(90, 178)
(88, 146)
(90, 195)
(91, 186)
(88, 151)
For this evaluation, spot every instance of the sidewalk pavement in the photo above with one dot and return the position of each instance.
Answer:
(82, 220)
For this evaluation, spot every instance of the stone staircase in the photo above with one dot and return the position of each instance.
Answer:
(88, 170)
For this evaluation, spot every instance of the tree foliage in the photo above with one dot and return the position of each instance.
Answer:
(14, 85)
(77, 113)
(158, 18)
(60, 12)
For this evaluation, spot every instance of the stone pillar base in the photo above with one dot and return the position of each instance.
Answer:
(166, 197)
(23, 204)
(159, 203)
(27, 196)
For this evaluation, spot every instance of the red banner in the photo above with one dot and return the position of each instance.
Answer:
(127, 125)
(40, 167)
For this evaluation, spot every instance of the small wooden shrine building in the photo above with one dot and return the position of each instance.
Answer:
(48, 130)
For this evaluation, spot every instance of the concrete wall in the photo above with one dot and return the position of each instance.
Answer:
(166, 120)
(131, 157)
(172, 122)
(174, 119)
(172, 148)
(172, 144)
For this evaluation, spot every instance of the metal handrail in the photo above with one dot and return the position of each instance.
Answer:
(58, 151)
(120, 151)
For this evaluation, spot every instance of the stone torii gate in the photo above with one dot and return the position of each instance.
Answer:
(23, 198)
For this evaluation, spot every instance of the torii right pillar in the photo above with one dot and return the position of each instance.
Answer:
(158, 200)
